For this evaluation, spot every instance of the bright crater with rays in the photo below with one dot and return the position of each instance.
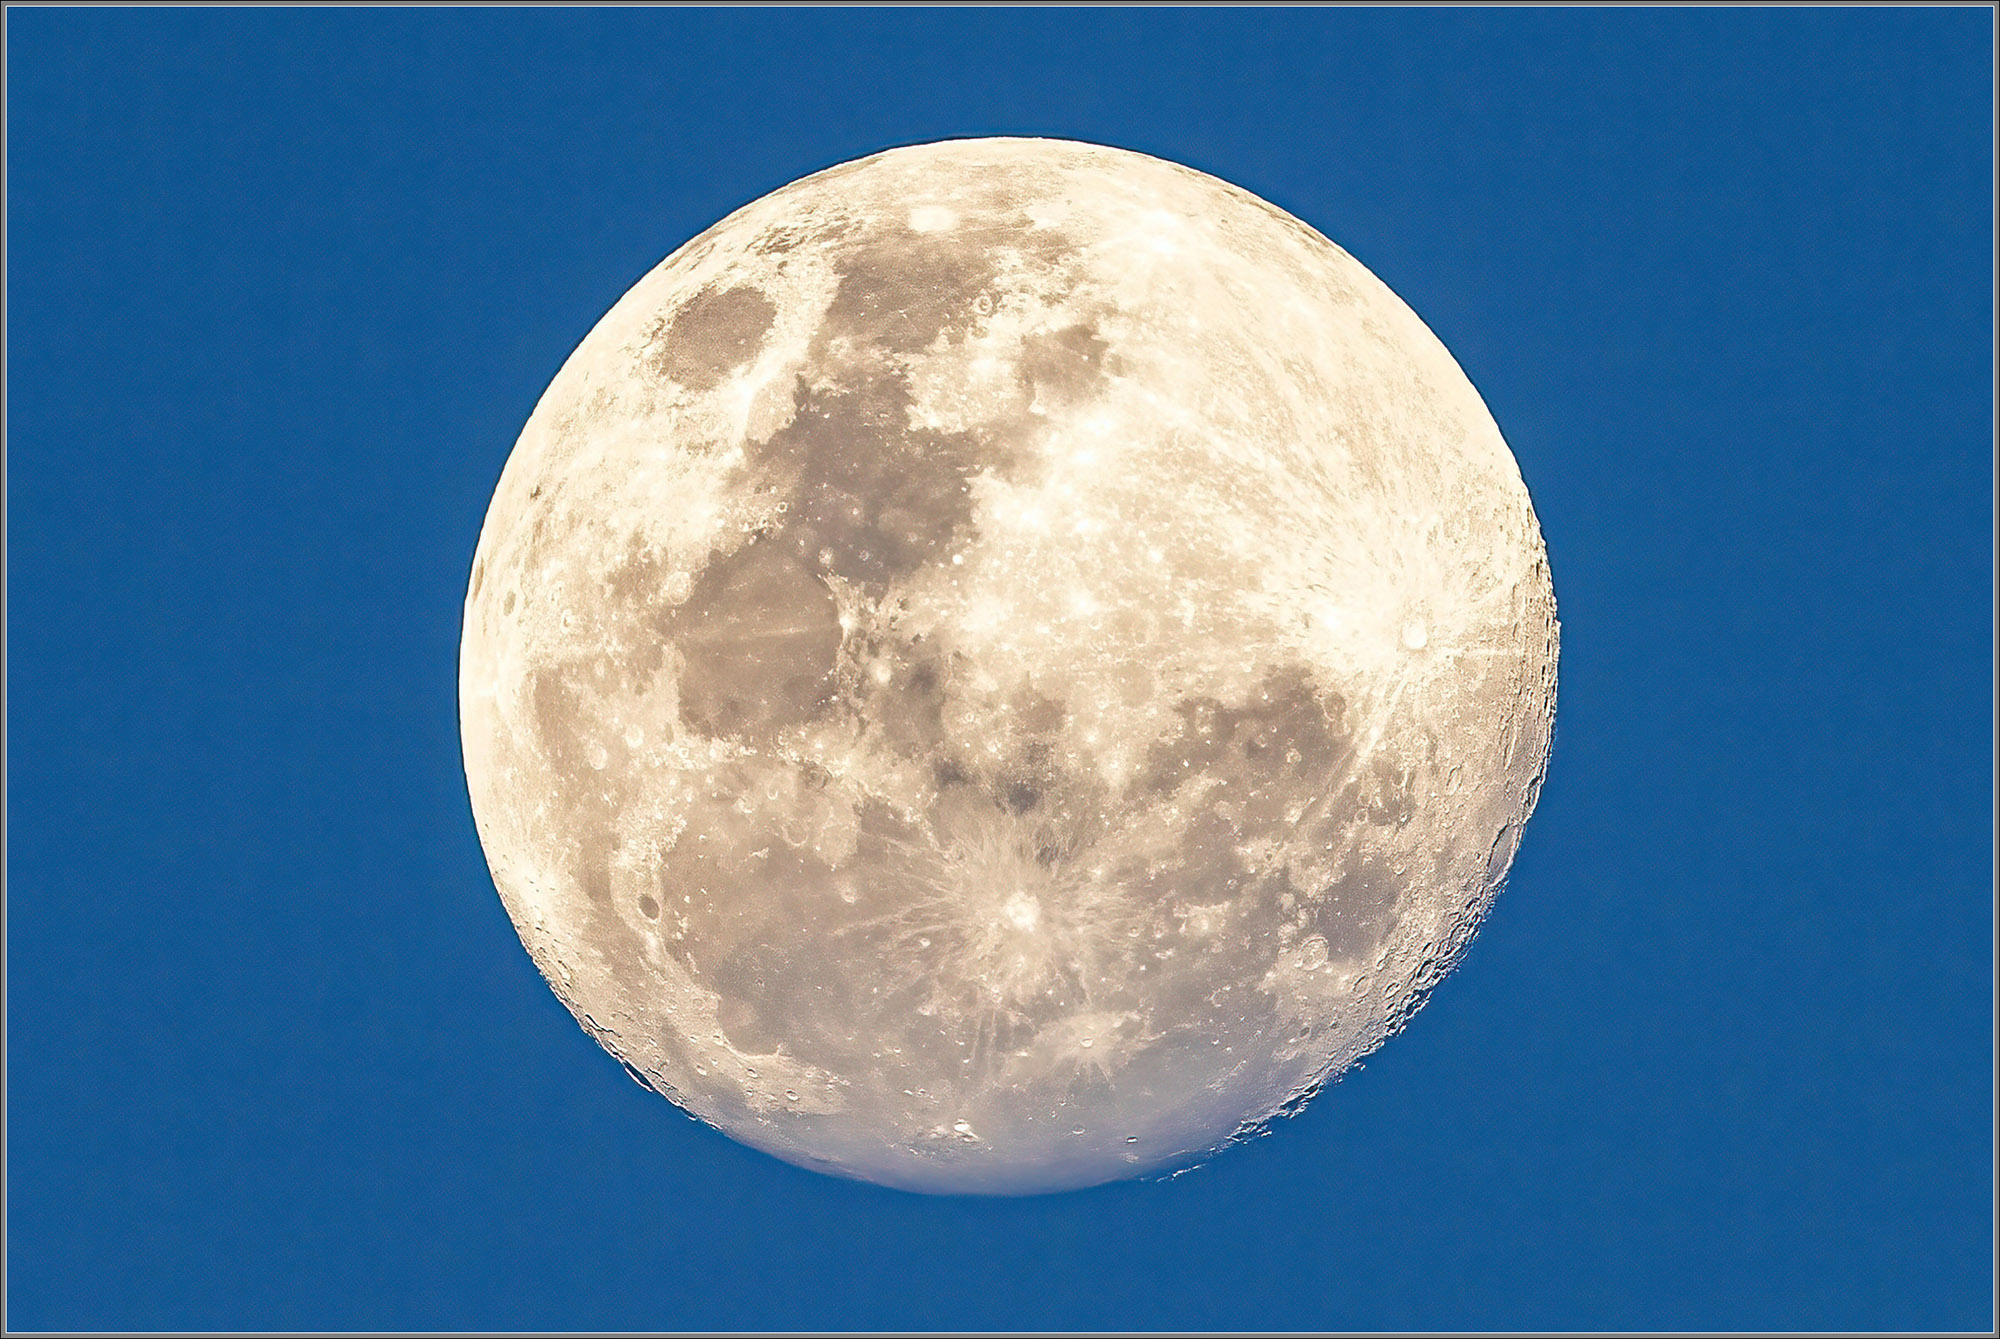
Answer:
(1002, 666)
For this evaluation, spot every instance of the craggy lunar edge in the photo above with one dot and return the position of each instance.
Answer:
(1002, 666)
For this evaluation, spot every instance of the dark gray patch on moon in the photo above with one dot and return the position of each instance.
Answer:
(1029, 770)
(877, 497)
(1360, 909)
(868, 497)
(759, 638)
(1283, 742)
(593, 864)
(909, 708)
(1064, 367)
(776, 929)
(713, 334)
(901, 290)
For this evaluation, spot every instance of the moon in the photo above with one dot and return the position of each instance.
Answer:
(1004, 665)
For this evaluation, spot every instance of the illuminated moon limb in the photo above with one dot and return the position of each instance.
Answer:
(1002, 666)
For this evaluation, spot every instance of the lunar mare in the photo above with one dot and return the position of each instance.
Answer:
(1002, 666)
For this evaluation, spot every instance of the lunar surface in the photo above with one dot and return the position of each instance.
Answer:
(1003, 666)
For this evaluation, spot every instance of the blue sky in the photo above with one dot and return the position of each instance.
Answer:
(283, 286)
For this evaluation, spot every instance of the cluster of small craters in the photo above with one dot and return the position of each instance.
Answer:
(979, 674)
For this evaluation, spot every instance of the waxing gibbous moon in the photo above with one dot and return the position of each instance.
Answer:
(1002, 666)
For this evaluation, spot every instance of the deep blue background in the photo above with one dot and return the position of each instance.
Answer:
(284, 285)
